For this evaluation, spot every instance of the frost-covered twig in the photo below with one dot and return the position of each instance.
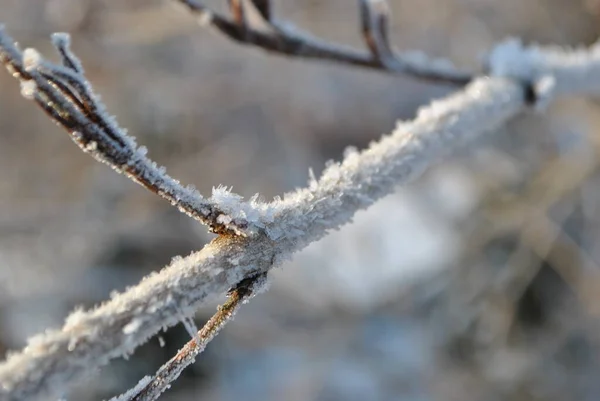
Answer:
(286, 39)
(64, 93)
(149, 389)
(89, 339)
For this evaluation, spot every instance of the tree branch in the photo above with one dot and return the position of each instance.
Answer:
(66, 96)
(149, 389)
(285, 39)
(90, 339)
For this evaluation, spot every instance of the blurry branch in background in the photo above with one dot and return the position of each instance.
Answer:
(90, 339)
(533, 216)
(149, 389)
(284, 38)
(64, 93)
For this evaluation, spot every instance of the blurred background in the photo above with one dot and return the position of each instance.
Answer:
(478, 282)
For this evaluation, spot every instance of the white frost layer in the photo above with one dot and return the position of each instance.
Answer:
(363, 177)
(133, 391)
(572, 71)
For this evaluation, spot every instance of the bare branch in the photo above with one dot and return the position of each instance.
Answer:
(151, 389)
(285, 39)
(66, 96)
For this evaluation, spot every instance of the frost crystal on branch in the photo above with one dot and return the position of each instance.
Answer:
(150, 389)
(66, 96)
(362, 178)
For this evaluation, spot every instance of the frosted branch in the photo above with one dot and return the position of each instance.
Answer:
(285, 39)
(151, 389)
(573, 70)
(64, 93)
(551, 70)
(90, 339)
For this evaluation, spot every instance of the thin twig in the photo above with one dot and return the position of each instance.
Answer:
(238, 12)
(285, 39)
(64, 93)
(151, 389)
(374, 24)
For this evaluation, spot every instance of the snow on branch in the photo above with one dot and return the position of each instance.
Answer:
(90, 339)
(564, 71)
(64, 93)
(249, 16)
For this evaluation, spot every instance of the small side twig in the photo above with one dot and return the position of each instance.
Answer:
(285, 39)
(374, 23)
(64, 93)
(238, 11)
(149, 389)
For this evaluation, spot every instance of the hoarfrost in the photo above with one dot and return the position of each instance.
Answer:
(133, 391)
(31, 59)
(133, 326)
(28, 89)
(190, 327)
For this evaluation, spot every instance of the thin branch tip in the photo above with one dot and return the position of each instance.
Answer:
(61, 39)
(65, 95)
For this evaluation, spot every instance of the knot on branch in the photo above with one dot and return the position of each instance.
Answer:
(513, 60)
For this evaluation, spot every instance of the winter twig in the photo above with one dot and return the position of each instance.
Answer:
(283, 38)
(151, 389)
(65, 95)
(90, 339)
